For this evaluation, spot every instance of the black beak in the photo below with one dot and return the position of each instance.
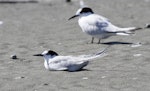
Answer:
(73, 17)
(38, 55)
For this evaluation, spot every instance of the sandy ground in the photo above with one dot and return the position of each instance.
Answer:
(31, 28)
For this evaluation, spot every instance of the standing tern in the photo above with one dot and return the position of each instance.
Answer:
(52, 61)
(98, 26)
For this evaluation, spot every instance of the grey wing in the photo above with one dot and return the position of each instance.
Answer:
(60, 62)
(66, 60)
(69, 63)
(104, 25)
(101, 22)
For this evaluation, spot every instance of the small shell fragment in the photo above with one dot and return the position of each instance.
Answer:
(137, 55)
(1, 22)
(136, 44)
(85, 78)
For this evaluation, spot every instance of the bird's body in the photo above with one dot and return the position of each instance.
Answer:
(98, 26)
(94, 25)
(69, 63)
(52, 61)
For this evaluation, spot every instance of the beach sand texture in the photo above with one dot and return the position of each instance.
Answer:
(31, 28)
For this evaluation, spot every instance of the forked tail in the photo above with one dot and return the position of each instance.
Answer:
(130, 30)
(127, 31)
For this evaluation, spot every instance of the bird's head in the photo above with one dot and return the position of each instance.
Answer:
(47, 53)
(81, 11)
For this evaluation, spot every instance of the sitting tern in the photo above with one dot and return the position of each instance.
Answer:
(52, 61)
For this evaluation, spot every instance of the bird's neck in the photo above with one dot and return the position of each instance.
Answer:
(46, 61)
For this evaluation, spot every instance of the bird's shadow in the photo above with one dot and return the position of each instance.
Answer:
(117, 43)
(84, 70)
(81, 70)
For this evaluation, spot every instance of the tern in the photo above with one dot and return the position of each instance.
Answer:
(55, 62)
(98, 26)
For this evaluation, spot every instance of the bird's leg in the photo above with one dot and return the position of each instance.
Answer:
(99, 41)
(92, 41)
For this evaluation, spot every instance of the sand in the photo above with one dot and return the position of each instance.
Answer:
(31, 28)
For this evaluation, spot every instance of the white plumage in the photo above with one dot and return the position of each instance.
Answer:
(98, 26)
(52, 61)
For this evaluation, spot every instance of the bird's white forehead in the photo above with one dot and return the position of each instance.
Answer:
(45, 52)
(78, 11)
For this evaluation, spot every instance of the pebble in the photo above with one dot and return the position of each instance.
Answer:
(147, 25)
(19, 77)
(68, 0)
(45, 84)
(13, 56)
